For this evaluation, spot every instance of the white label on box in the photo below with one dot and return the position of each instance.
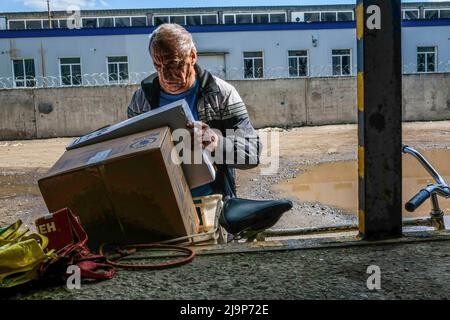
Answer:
(99, 156)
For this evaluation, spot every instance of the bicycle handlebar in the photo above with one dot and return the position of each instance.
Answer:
(441, 188)
(417, 200)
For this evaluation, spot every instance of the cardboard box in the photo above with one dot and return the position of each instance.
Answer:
(174, 115)
(125, 190)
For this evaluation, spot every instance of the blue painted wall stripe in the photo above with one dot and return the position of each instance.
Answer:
(8, 34)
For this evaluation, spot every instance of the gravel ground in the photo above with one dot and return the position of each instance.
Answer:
(408, 271)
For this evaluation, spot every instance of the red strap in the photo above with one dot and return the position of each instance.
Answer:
(88, 269)
(78, 253)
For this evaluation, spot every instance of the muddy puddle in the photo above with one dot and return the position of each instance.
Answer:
(336, 184)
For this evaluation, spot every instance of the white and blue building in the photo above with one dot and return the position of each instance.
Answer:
(110, 46)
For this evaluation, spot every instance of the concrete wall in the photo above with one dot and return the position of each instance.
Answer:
(57, 112)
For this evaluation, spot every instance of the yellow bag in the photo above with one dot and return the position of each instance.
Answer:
(21, 256)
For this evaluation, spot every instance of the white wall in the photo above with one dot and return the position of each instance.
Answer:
(426, 36)
(93, 50)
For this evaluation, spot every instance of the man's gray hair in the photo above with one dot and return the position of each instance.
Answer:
(171, 40)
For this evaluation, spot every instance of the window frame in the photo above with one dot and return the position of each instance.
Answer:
(426, 54)
(3, 23)
(17, 20)
(432, 9)
(253, 13)
(57, 26)
(71, 75)
(90, 18)
(320, 12)
(345, 11)
(118, 82)
(441, 9)
(302, 19)
(29, 20)
(254, 70)
(25, 76)
(404, 13)
(307, 63)
(185, 17)
(341, 55)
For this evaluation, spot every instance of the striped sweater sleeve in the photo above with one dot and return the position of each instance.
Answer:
(138, 104)
(241, 142)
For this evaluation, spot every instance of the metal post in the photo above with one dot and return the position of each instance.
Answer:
(50, 22)
(379, 84)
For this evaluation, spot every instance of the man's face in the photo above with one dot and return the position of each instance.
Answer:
(175, 77)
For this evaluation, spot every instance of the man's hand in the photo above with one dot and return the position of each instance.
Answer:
(203, 135)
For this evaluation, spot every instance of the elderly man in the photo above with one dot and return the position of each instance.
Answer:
(214, 103)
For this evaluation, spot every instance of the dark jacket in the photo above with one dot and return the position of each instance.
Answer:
(220, 106)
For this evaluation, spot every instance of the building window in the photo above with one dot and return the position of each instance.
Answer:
(426, 59)
(122, 22)
(117, 69)
(17, 25)
(46, 24)
(2, 23)
(34, 24)
(328, 16)
(209, 19)
(341, 60)
(312, 16)
(261, 18)
(253, 65)
(229, 19)
(345, 16)
(89, 22)
(444, 14)
(70, 69)
(187, 20)
(105, 22)
(298, 63)
(277, 18)
(431, 14)
(322, 16)
(24, 73)
(193, 20)
(410, 14)
(181, 20)
(63, 23)
(242, 18)
(138, 21)
(160, 20)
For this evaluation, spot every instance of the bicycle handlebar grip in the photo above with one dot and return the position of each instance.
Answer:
(417, 200)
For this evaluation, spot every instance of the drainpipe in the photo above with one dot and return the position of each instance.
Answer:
(42, 55)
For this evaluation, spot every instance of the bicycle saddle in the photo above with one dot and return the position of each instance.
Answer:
(246, 218)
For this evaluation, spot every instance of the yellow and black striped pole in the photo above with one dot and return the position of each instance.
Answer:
(379, 91)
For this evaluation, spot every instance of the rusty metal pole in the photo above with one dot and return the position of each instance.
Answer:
(379, 86)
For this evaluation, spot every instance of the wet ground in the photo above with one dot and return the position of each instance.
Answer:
(336, 183)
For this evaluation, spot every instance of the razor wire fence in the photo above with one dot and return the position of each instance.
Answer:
(235, 73)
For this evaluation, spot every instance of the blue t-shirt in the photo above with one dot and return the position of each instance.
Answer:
(191, 98)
